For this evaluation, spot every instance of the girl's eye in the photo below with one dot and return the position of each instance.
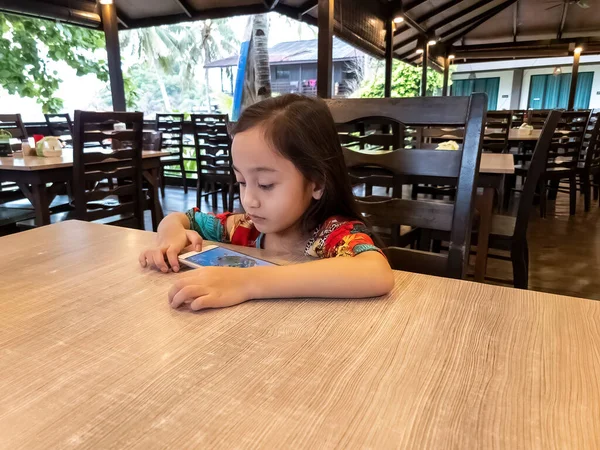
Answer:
(241, 183)
(266, 187)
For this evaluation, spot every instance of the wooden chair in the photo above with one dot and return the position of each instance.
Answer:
(588, 167)
(93, 202)
(60, 125)
(419, 166)
(497, 129)
(563, 158)
(534, 117)
(12, 124)
(510, 233)
(213, 159)
(171, 127)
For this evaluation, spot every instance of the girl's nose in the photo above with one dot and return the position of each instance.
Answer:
(250, 199)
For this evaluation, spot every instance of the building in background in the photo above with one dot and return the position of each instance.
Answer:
(294, 68)
(541, 83)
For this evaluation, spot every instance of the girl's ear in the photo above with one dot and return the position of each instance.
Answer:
(317, 191)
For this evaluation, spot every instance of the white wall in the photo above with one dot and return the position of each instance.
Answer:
(594, 97)
(505, 88)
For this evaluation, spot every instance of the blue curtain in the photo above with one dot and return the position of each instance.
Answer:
(537, 89)
(584, 90)
(552, 91)
(488, 85)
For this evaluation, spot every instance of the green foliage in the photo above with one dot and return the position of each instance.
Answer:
(406, 82)
(28, 45)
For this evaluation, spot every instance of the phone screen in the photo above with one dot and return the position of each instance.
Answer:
(222, 257)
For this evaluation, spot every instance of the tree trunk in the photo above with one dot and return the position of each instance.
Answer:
(163, 89)
(257, 79)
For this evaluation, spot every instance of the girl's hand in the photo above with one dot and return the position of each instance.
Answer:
(212, 287)
(168, 247)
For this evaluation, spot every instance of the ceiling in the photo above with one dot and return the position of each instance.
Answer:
(473, 30)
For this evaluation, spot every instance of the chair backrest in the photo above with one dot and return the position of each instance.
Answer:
(152, 141)
(536, 169)
(567, 142)
(14, 125)
(59, 124)
(212, 143)
(171, 127)
(497, 129)
(534, 117)
(122, 164)
(591, 147)
(422, 166)
(372, 133)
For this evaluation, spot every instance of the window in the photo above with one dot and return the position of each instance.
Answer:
(552, 91)
(488, 85)
(282, 73)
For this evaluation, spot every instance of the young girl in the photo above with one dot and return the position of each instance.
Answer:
(295, 189)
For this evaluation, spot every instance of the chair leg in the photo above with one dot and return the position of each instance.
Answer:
(587, 191)
(213, 188)
(553, 191)
(224, 196)
(231, 195)
(368, 190)
(519, 255)
(184, 178)
(543, 198)
(573, 194)
(161, 181)
(510, 182)
(198, 192)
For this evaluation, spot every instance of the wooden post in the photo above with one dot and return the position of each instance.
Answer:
(574, 76)
(446, 76)
(424, 73)
(389, 57)
(111, 34)
(325, 46)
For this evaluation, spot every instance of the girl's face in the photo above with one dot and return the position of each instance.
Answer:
(272, 191)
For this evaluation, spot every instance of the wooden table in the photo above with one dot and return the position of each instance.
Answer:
(515, 136)
(32, 174)
(93, 357)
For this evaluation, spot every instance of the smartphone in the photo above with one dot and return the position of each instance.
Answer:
(214, 256)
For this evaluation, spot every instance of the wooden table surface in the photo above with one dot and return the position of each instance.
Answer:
(92, 356)
(28, 163)
(514, 135)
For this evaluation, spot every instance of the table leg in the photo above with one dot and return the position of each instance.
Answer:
(485, 206)
(39, 197)
(151, 176)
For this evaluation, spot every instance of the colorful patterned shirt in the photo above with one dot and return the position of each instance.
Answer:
(336, 237)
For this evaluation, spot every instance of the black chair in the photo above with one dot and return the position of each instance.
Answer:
(510, 233)
(171, 127)
(406, 166)
(213, 159)
(12, 124)
(497, 129)
(60, 125)
(123, 204)
(588, 167)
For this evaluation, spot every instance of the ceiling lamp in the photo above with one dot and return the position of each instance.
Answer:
(398, 19)
(419, 51)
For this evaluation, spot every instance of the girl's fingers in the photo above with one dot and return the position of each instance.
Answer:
(142, 259)
(206, 301)
(186, 293)
(159, 260)
(195, 240)
(172, 254)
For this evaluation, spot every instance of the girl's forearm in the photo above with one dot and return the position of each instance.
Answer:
(365, 275)
(173, 221)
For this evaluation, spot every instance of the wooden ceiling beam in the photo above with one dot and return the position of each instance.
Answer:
(515, 21)
(185, 7)
(447, 20)
(563, 19)
(474, 22)
(429, 15)
(307, 6)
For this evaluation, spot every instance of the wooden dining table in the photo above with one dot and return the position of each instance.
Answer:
(515, 136)
(92, 356)
(40, 178)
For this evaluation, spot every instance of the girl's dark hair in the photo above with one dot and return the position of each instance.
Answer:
(303, 131)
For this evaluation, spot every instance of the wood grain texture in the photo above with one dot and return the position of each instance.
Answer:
(514, 135)
(502, 163)
(93, 357)
(66, 160)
